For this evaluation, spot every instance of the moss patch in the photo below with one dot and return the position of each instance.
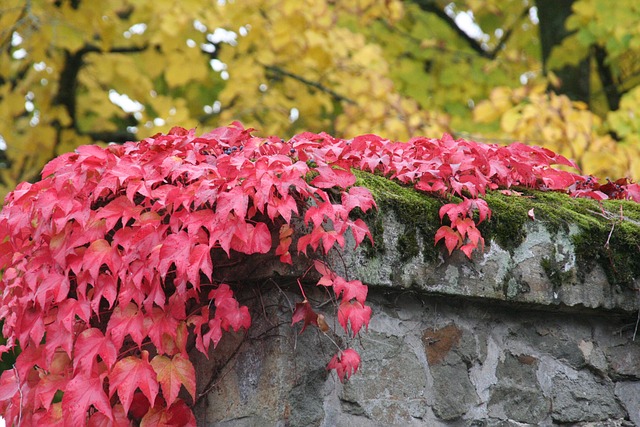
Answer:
(418, 212)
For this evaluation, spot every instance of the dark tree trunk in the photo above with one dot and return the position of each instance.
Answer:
(552, 15)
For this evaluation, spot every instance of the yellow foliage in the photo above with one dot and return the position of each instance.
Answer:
(554, 121)
(284, 66)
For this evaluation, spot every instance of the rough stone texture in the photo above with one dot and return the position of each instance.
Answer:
(519, 275)
(580, 397)
(517, 394)
(524, 336)
(426, 361)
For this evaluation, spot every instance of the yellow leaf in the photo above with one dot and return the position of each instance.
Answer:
(485, 112)
(510, 120)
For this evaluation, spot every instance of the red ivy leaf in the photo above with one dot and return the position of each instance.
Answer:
(230, 313)
(120, 208)
(329, 177)
(304, 313)
(176, 249)
(128, 320)
(354, 313)
(359, 197)
(83, 392)
(131, 373)
(172, 374)
(89, 344)
(451, 238)
(199, 261)
(98, 253)
(177, 414)
(353, 289)
(345, 363)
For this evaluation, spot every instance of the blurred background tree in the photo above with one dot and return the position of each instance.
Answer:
(559, 73)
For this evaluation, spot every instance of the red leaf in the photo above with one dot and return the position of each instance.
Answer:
(354, 313)
(199, 261)
(176, 415)
(161, 327)
(120, 208)
(234, 200)
(131, 373)
(9, 385)
(323, 269)
(531, 214)
(89, 344)
(176, 249)
(120, 419)
(345, 363)
(360, 230)
(329, 177)
(353, 289)
(230, 313)
(451, 238)
(304, 313)
(98, 253)
(285, 240)
(250, 239)
(47, 388)
(633, 192)
(358, 197)
(82, 392)
(126, 321)
(172, 374)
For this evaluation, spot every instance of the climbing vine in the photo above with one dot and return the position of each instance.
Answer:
(109, 262)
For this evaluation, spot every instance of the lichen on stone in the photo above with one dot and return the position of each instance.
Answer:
(608, 232)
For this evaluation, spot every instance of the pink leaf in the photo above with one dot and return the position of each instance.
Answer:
(345, 363)
(355, 314)
(131, 373)
(451, 238)
(304, 313)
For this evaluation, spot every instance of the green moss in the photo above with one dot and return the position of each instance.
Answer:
(418, 212)
(555, 272)
(594, 221)
(408, 246)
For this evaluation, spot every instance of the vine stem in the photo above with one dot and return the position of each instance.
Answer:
(302, 290)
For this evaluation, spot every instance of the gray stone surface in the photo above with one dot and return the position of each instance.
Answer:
(584, 398)
(518, 275)
(517, 395)
(628, 392)
(425, 362)
(624, 360)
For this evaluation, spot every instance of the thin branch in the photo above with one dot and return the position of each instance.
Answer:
(431, 7)
(475, 45)
(606, 78)
(24, 13)
(507, 35)
(277, 70)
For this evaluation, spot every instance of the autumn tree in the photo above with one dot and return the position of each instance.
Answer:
(394, 68)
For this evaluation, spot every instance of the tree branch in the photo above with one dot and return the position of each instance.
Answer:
(507, 35)
(475, 45)
(24, 13)
(431, 7)
(606, 78)
(277, 70)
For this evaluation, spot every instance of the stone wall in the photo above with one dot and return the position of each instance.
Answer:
(525, 334)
